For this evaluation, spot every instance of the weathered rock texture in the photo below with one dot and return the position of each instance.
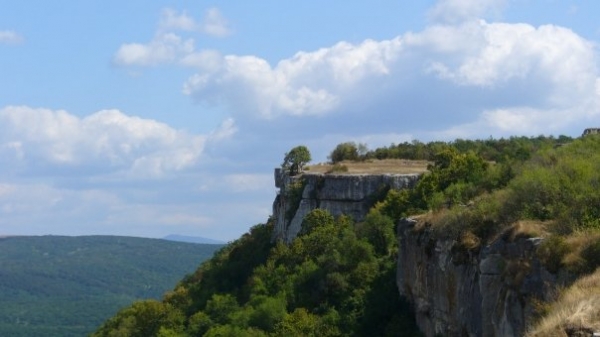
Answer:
(489, 291)
(349, 194)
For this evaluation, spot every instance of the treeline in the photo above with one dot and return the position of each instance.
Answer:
(496, 150)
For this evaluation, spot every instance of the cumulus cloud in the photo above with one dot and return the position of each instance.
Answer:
(168, 45)
(107, 139)
(164, 48)
(491, 72)
(457, 11)
(309, 83)
(10, 37)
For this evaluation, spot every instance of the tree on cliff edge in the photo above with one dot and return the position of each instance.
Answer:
(295, 160)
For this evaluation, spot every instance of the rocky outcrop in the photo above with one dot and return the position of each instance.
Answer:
(349, 194)
(456, 291)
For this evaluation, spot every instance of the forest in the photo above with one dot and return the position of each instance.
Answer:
(337, 278)
(67, 286)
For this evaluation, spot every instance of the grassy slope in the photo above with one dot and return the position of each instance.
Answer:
(66, 286)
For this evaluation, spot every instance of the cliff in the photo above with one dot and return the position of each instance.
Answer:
(484, 291)
(349, 194)
(455, 289)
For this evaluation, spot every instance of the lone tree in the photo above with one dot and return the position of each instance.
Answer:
(295, 160)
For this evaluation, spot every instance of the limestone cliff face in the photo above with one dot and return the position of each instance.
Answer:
(349, 194)
(455, 291)
(459, 292)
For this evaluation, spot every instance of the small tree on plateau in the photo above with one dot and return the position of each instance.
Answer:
(295, 160)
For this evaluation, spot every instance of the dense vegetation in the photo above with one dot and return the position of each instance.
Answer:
(334, 279)
(66, 286)
(337, 278)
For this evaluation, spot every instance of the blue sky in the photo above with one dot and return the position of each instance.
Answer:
(151, 118)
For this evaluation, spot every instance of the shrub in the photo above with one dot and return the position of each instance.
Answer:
(552, 252)
(344, 151)
(337, 167)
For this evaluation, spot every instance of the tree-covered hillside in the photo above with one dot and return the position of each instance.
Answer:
(66, 286)
(337, 278)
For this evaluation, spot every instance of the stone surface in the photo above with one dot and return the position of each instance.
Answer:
(348, 194)
(458, 292)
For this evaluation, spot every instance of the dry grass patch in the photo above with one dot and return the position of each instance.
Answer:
(576, 310)
(391, 166)
(578, 242)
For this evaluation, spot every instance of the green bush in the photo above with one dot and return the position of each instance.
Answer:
(552, 252)
(337, 167)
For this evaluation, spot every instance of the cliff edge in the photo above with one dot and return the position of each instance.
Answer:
(456, 290)
(349, 194)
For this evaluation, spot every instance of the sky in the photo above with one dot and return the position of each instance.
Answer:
(149, 118)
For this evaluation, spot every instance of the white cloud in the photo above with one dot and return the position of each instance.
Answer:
(205, 60)
(492, 54)
(306, 84)
(171, 20)
(168, 46)
(107, 139)
(500, 75)
(457, 11)
(164, 48)
(10, 37)
(215, 24)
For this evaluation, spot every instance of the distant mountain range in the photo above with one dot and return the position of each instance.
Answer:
(192, 239)
(67, 286)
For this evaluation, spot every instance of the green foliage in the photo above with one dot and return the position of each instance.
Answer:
(229, 270)
(378, 230)
(142, 319)
(396, 204)
(315, 219)
(337, 167)
(453, 178)
(67, 286)
(552, 252)
(513, 149)
(295, 160)
(344, 151)
(561, 184)
(220, 307)
(301, 323)
(319, 285)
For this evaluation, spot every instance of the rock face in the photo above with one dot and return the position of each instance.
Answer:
(349, 194)
(455, 291)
